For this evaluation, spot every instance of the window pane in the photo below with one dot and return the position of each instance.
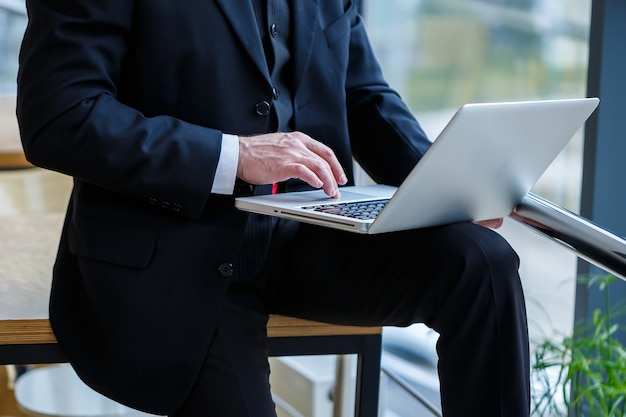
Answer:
(12, 25)
(440, 54)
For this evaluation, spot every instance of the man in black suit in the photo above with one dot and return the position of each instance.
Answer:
(163, 111)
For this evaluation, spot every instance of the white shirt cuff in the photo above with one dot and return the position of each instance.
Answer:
(226, 173)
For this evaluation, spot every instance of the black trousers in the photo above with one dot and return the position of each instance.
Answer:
(461, 280)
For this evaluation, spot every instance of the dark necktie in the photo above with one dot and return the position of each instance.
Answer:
(274, 26)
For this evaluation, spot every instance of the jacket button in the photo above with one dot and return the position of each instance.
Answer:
(226, 270)
(273, 30)
(263, 108)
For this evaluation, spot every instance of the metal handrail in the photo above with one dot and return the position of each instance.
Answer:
(13, 6)
(589, 241)
(412, 391)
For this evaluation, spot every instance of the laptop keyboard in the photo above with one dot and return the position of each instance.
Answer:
(363, 210)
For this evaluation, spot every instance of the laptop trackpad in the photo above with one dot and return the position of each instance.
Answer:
(321, 197)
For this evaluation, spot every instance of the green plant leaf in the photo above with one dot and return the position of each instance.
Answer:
(586, 370)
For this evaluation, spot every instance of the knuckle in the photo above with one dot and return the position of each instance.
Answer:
(318, 165)
(294, 169)
(302, 170)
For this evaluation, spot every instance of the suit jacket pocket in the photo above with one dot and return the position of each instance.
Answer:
(111, 242)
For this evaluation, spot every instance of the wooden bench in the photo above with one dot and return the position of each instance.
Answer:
(27, 250)
(31, 341)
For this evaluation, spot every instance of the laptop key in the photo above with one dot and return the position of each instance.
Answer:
(364, 210)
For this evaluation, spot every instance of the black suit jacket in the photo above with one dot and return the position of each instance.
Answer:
(131, 97)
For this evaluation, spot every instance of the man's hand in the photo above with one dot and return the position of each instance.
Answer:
(274, 157)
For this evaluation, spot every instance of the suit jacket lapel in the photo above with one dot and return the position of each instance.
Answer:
(304, 15)
(243, 21)
(305, 18)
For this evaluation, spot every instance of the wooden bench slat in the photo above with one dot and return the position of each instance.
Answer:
(38, 331)
(32, 331)
(13, 160)
(284, 326)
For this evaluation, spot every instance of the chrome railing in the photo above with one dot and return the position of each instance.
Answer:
(415, 394)
(589, 241)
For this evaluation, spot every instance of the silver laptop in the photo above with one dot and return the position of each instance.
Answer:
(480, 167)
